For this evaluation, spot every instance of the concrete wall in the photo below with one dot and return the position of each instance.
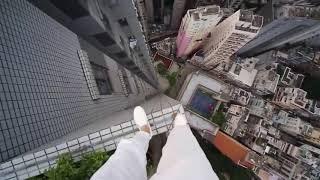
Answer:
(43, 91)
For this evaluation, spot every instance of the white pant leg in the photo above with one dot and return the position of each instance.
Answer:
(128, 162)
(183, 159)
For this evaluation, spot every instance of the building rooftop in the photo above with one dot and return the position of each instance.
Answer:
(195, 16)
(230, 147)
(235, 116)
(244, 71)
(201, 79)
(203, 11)
(257, 21)
(301, 97)
(267, 80)
(288, 77)
(246, 15)
(240, 96)
(167, 62)
(211, 10)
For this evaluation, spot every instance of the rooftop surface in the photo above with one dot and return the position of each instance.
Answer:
(152, 105)
(97, 136)
(166, 61)
(230, 147)
(195, 80)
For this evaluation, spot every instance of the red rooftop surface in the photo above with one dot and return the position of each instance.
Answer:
(166, 61)
(231, 148)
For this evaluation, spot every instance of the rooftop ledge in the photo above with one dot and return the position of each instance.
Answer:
(98, 136)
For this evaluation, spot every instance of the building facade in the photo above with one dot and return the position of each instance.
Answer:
(177, 13)
(296, 11)
(195, 27)
(110, 26)
(229, 36)
(55, 81)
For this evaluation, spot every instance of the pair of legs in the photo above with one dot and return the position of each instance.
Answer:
(182, 157)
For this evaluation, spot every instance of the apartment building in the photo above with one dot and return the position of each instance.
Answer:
(110, 26)
(236, 114)
(195, 28)
(260, 107)
(313, 106)
(266, 80)
(292, 124)
(289, 78)
(290, 98)
(313, 136)
(244, 71)
(228, 37)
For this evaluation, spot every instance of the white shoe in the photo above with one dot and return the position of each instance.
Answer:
(141, 119)
(180, 120)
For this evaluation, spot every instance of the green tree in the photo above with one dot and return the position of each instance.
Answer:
(91, 162)
(65, 169)
(68, 169)
(172, 78)
(162, 69)
(219, 118)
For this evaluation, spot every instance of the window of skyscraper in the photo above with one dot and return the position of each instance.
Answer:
(121, 54)
(137, 85)
(106, 21)
(126, 81)
(112, 3)
(123, 22)
(102, 79)
(72, 8)
(104, 39)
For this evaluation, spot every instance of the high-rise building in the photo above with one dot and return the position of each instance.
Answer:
(195, 27)
(280, 33)
(66, 69)
(235, 4)
(158, 10)
(144, 16)
(296, 11)
(228, 37)
(150, 10)
(177, 13)
(110, 26)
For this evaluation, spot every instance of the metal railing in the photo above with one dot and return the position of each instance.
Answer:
(36, 163)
